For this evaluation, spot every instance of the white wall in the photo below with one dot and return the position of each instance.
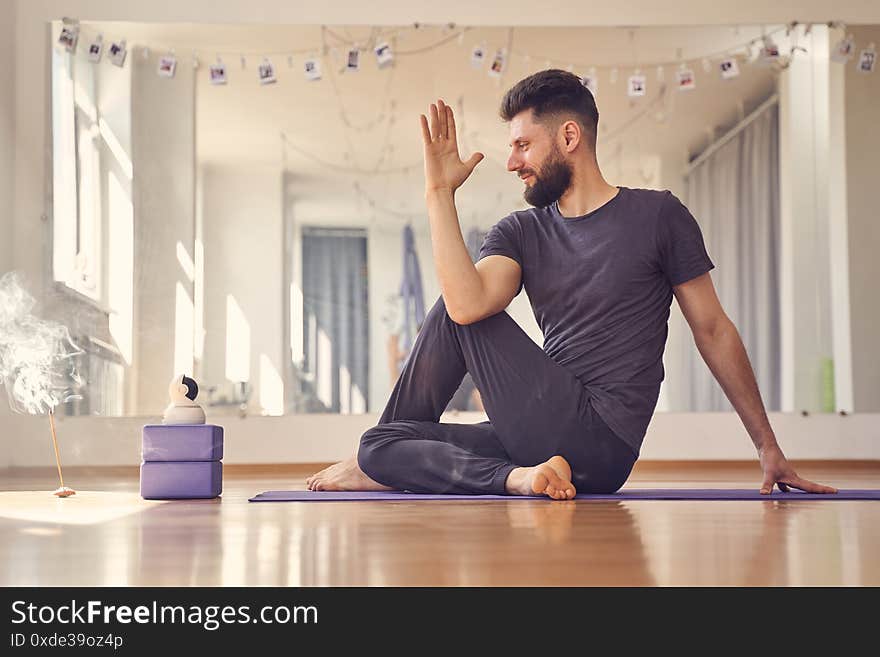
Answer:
(838, 235)
(163, 157)
(7, 166)
(242, 234)
(30, 101)
(7, 144)
(319, 438)
(804, 271)
(862, 149)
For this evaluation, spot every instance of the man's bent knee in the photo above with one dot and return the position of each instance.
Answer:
(366, 451)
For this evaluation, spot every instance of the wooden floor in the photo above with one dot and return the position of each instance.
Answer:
(108, 535)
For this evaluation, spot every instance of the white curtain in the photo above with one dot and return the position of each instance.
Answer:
(734, 195)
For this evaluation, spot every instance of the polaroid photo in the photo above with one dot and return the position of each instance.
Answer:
(312, 68)
(384, 56)
(217, 73)
(844, 49)
(867, 59)
(68, 37)
(96, 47)
(117, 53)
(686, 80)
(352, 64)
(637, 86)
(266, 71)
(729, 68)
(167, 66)
(591, 82)
(497, 67)
(478, 56)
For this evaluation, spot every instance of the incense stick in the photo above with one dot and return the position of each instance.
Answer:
(55, 444)
(63, 491)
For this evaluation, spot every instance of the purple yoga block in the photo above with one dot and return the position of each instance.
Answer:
(176, 480)
(182, 442)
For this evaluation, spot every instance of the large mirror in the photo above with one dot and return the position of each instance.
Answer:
(245, 203)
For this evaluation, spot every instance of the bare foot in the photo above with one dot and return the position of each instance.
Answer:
(345, 475)
(551, 478)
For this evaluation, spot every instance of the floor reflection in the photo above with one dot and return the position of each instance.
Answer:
(117, 539)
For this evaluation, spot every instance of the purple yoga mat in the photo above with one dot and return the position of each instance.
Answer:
(625, 494)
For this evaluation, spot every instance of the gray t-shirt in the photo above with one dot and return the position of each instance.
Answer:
(600, 286)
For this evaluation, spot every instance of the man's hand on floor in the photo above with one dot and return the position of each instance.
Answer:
(777, 470)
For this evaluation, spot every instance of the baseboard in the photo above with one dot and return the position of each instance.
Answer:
(326, 438)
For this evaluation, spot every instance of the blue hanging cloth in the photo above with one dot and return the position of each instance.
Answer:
(412, 296)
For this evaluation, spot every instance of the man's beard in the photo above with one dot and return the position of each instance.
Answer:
(551, 183)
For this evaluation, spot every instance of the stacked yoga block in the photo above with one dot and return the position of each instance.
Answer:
(181, 461)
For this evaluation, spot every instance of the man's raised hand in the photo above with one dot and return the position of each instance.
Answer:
(444, 169)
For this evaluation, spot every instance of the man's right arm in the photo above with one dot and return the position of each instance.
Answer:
(470, 292)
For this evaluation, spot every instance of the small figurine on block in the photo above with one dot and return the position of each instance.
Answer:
(182, 456)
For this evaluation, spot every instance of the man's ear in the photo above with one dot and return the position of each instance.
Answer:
(571, 133)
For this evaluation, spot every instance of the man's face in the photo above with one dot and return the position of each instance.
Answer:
(537, 160)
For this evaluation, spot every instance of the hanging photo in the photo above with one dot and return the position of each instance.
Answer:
(68, 37)
(637, 85)
(352, 65)
(312, 69)
(117, 53)
(218, 73)
(844, 50)
(384, 55)
(167, 66)
(478, 56)
(686, 79)
(497, 67)
(96, 47)
(266, 71)
(591, 83)
(729, 68)
(867, 59)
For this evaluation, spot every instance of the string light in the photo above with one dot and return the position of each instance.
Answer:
(510, 52)
(386, 115)
(351, 169)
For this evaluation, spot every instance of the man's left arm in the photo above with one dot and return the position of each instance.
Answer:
(720, 345)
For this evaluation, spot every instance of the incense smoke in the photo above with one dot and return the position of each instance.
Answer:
(37, 357)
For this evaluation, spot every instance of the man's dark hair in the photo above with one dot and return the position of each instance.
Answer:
(554, 96)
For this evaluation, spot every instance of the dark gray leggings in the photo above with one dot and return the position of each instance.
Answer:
(536, 409)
